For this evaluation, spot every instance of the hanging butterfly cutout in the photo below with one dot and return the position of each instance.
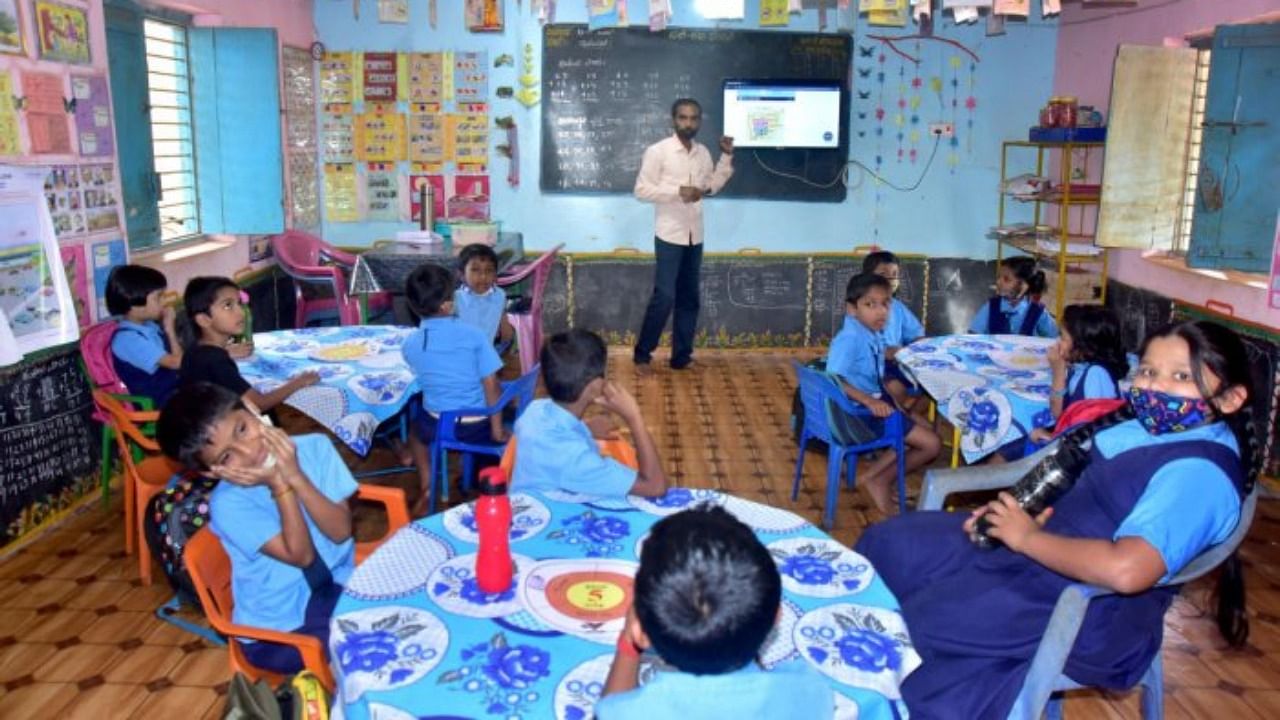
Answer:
(864, 72)
(864, 95)
(864, 51)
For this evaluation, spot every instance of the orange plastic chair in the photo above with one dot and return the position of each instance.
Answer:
(210, 571)
(616, 448)
(125, 425)
(149, 478)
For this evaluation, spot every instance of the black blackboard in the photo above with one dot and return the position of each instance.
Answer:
(607, 96)
(46, 434)
(1140, 311)
(957, 288)
(830, 276)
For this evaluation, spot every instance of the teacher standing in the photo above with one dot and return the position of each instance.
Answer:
(675, 175)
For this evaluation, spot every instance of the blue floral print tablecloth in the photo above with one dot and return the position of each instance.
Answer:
(413, 637)
(994, 388)
(363, 378)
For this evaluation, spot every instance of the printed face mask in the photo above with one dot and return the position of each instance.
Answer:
(1162, 413)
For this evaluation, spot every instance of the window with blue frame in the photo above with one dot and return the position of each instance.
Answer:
(172, 139)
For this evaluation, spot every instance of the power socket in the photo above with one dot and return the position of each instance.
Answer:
(942, 129)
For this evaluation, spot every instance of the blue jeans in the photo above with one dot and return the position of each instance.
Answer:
(675, 285)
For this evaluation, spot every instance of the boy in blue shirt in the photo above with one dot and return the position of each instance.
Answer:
(456, 367)
(706, 597)
(856, 357)
(479, 301)
(280, 511)
(555, 449)
(146, 350)
(901, 329)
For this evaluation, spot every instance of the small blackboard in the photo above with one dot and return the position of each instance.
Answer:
(607, 96)
(1140, 311)
(46, 432)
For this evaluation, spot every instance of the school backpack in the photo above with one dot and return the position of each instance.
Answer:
(173, 516)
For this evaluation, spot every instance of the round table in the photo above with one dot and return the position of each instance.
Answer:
(413, 637)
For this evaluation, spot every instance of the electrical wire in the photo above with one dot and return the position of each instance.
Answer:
(843, 175)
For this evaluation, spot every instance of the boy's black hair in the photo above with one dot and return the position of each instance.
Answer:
(675, 106)
(1095, 338)
(129, 285)
(198, 299)
(428, 287)
(185, 421)
(862, 283)
(876, 259)
(1024, 268)
(474, 251)
(570, 361)
(707, 591)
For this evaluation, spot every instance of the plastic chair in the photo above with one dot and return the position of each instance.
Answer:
(95, 351)
(817, 389)
(125, 424)
(210, 570)
(528, 326)
(1045, 681)
(446, 438)
(312, 261)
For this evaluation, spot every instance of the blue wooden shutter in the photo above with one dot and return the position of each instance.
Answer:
(139, 189)
(1235, 211)
(236, 102)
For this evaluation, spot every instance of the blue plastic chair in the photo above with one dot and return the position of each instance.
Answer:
(519, 390)
(817, 389)
(1041, 693)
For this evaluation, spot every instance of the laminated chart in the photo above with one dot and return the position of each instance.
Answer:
(380, 77)
(470, 77)
(335, 79)
(8, 117)
(426, 77)
(467, 142)
(380, 134)
(340, 196)
(337, 137)
(426, 136)
(382, 192)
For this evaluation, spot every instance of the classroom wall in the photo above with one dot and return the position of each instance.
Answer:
(1086, 49)
(948, 215)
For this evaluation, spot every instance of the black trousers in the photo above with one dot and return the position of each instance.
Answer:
(675, 286)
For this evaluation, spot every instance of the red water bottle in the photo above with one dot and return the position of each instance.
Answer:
(493, 522)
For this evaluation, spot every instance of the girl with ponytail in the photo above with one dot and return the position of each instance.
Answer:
(1016, 308)
(1160, 481)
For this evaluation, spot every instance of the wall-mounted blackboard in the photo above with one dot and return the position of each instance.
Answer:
(46, 438)
(607, 96)
(1140, 311)
(830, 277)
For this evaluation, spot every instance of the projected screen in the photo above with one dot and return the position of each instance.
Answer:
(782, 114)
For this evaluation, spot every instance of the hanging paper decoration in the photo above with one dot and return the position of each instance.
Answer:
(483, 15)
(602, 14)
(660, 14)
(529, 93)
(510, 150)
(774, 13)
(393, 11)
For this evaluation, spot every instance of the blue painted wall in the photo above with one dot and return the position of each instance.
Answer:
(948, 215)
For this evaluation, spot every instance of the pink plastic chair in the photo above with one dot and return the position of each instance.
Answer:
(528, 326)
(309, 260)
(95, 350)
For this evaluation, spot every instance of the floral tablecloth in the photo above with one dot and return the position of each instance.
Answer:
(363, 379)
(994, 388)
(414, 637)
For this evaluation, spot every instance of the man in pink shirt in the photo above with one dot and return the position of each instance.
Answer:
(675, 175)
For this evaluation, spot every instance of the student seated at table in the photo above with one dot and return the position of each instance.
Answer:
(555, 449)
(145, 349)
(901, 329)
(479, 301)
(456, 367)
(280, 510)
(856, 357)
(707, 594)
(1162, 482)
(1088, 361)
(1016, 310)
(215, 318)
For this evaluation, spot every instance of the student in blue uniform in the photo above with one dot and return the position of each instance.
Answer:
(1164, 480)
(556, 450)
(1015, 310)
(280, 510)
(456, 367)
(479, 301)
(145, 348)
(706, 597)
(901, 329)
(1088, 361)
(857, 357)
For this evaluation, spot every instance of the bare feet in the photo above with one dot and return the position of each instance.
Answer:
(880, 491)
(644, 370)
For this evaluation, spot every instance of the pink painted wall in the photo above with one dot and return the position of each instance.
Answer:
(1087, 43)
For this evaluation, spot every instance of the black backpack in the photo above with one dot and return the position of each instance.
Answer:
(173, 516)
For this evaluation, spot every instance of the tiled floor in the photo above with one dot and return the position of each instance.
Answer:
(77, 637)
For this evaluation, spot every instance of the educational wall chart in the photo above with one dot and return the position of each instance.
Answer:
(62, 32)
(426, 138)
(9, 144)
(105, 256)
(382, 192)
(78, 281)
(341, 201)
(335, 79)
(380, 134)
(46, 113)
(380, 77)
(426, 77)
(93, 116)
(82, 199)
(35, 298)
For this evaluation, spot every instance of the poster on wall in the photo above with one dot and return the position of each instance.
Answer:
(393, 11)
(33, 289)
(11, 28)
(381, 192)
(106, 255)
(46, 111)
(62, 32)
(426, 138)
(341, 198)
(335, 79)
(66, 202)
(484, 15)
(9, 144)
(469, 199)
(426, 78)
(101, 201)
(436, 183)
(93, 116)
(467, 140)
(78, 280)
(380, 135)
(337, 138)
(470, 77)
(380, 74)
